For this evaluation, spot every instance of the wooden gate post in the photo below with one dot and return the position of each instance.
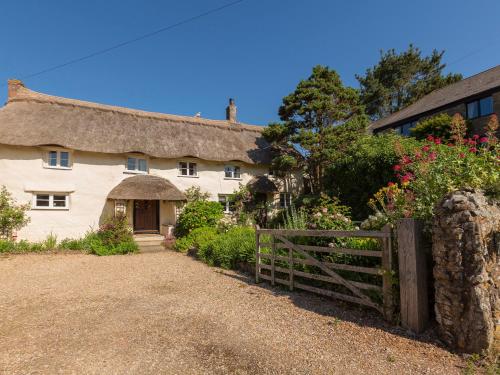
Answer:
(412, 275)
(387, 279)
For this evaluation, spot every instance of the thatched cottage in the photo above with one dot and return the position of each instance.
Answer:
(78, 162)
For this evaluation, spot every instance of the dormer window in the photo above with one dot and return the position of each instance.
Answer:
(137, 165)
(232, 171)
(58, 159)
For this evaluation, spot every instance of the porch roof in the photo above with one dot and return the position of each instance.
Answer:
(262, 184)
(146, 187)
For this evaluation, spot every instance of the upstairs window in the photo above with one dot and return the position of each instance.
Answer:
(285, 200)
(58, 159)
(232, 171)
(50, 201)
(480, 107)
(227, 203)
(188, 169)
(137, 165)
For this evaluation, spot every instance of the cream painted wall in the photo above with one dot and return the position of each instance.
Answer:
(92, 177)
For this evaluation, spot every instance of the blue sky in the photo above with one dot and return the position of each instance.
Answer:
(255, 51)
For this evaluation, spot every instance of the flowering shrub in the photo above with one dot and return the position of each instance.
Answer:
(428, 173)
(197, 214)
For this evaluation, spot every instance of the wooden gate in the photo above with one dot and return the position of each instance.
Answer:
(280, 249)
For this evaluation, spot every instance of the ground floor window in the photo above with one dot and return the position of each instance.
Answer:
(227, 202)
(285, 200)
(51, 201)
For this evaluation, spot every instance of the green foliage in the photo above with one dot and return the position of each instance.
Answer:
(113, 237)
(198, 214)
(198, 238)
(194, 193)
(12, 216)
(317, 118)
(230, 248)
(439, 126)
(399, 80)
(294, 219)
(363, 168)
(428, 173)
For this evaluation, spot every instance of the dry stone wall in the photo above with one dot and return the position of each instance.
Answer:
(466, 246)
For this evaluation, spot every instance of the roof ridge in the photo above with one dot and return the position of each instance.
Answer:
(26, 94)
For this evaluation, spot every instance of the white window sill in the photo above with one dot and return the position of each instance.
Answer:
(233, 178)
(50, 208)
(180, 175)
(61, 168)
(134, 172)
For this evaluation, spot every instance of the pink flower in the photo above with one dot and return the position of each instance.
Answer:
(472, 143)
(473, 149)
(437, 141)
(406, 160)
(397, 167)
(406, 178)
(418, 155)
(426, 148)
(390, 184)
(432, 156)
(483, 140)
(450, 145)
(475, 136)
(461, 155)
(430, 138)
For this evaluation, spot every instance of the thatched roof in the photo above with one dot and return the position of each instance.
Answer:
(262, 184)
(146, 187)
(454, 93)
(33, 119)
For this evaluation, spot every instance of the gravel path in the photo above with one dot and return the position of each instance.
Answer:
(165, 313)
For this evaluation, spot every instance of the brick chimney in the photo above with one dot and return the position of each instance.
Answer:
(231, 111)
(13, 87)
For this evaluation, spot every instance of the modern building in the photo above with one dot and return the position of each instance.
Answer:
(78, 163)
(475, 98)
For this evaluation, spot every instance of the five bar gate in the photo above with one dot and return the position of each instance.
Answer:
(303, 254)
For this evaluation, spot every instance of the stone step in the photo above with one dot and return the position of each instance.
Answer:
(151, 249)
(150, 242)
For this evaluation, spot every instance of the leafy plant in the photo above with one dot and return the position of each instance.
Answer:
(196, 239)
(198, 214)
(194, 193)
(113, 237)
(12, 215)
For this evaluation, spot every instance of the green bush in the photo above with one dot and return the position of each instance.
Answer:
(230, 248)
(198, 214)
(197, 238)
(12, 216)
(113, 237)
(438, 126)
(364, 168)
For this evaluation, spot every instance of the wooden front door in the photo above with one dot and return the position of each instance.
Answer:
(146, 216)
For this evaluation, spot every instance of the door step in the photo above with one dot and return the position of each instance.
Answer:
(149, 243)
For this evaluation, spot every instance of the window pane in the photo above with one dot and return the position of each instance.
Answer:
(42, 200)
(52, 158)
(228, 172)
(64, 158)
(472, 110)
(486, 106)
(142, 165)
(183, 168)
(131, 164)
(236, 173)
(192, 169)
(59, 201)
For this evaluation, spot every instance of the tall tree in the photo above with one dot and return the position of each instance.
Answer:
(398, 80)
(318, 118)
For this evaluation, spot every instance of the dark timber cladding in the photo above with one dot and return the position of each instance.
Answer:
(267, 257)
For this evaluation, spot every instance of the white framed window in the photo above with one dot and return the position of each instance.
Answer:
(285, 200)
(232, 171)
(50, 201)
(58, 159)
(188, 169)
(137, 165)
(227, 202)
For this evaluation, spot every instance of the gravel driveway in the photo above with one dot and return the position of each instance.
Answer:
(165, 313)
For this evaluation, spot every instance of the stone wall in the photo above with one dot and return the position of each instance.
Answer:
(466, 250)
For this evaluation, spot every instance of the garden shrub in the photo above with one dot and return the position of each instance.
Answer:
(197, 238)
(427, 173)
(439, 126)
(363, 169)
(12, 215)
(230, 248)
(198, 214)
(113, 237)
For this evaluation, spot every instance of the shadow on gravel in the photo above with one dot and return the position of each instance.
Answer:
(337, 310)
